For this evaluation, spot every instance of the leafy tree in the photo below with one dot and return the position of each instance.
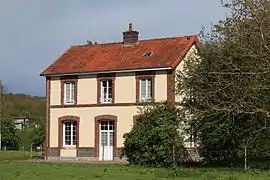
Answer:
(38, 135)
(8, 133)
(155, 139)
(24, 138)
(226, 91)
(33, 134)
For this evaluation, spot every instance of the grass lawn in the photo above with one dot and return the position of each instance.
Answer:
(41, 171)
(16, 155)
(11, 169)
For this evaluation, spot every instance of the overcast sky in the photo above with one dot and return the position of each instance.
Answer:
(33, 33)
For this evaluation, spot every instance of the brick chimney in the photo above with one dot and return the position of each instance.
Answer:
(130, 37)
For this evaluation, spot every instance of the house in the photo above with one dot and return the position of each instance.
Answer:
(21, 121)
(94, 91)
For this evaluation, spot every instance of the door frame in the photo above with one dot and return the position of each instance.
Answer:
(98, 119)
(109, 138)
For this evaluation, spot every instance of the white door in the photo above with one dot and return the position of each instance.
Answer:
(106, 140)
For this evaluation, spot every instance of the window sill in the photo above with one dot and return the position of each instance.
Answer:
(105, 102)
(69, 147)
(68, 104)
(146, 100)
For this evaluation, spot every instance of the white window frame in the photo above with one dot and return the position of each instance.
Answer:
(72, 144)
(71, 85)
(148, 94)
(106, 100)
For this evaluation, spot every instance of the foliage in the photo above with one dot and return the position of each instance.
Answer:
(24, 105)
(226, 91)
(8, 133)
(38, 135)
(155, 139)
(24, 138)
(33, 135)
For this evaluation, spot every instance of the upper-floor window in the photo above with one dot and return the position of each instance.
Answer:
(146, 89)
(69, 92)
(69, 133)
(106, 91)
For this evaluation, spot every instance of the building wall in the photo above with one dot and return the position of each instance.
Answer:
(55, 91)
(125, 88)
(161, 86)
(87, 122)
(192, 53)
(87, 90)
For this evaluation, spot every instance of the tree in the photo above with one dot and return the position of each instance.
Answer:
(8, 133)
(226, 91)
(38, 135)
(33, 135)
(155, 139)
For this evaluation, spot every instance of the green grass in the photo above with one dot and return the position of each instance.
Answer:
(11, 169)
(16, 155)
(41, 171)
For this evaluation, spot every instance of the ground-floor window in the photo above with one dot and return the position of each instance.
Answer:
(69, 133)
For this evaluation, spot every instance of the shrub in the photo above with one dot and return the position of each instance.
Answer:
(155, 139)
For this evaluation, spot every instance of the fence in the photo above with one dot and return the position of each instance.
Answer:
(15, 153)
(241, 158)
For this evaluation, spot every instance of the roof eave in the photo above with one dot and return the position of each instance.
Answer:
(108, 71)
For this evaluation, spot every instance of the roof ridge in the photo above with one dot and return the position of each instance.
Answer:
(142, 40)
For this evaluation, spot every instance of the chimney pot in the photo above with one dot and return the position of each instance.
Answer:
(130, 27)
(130, 37)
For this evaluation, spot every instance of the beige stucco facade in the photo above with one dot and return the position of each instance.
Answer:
(87, 122)
(68, 152)
(192, 53)
(161, 86)
(55, 86)
(125, 88)
(87, 90)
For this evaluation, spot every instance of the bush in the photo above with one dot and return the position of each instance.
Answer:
(24, 137)
(8, 133)
(155, 139)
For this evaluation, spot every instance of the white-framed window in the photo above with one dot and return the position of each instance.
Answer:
(106, 91)
(69, 93)
(145, 89)
(69, 133)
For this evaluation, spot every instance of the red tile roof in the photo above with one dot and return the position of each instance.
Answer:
(166, 52)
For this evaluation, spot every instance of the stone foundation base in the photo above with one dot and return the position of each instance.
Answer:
(116, 159)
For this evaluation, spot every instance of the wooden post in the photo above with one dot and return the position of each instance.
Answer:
(31, 150)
